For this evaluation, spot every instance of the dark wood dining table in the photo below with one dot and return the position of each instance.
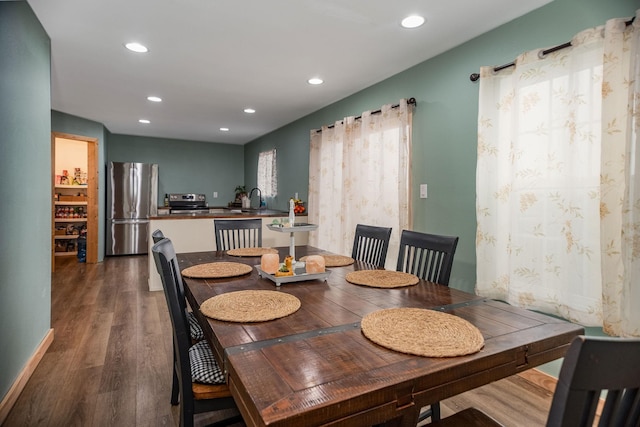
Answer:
(315, 367)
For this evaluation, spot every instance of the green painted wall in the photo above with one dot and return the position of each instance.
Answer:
(445, 121)
(185, 166)
(66, 123)
(444, 151)
(25, 188)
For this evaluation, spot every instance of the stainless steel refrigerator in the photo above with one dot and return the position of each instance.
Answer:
(132, 197)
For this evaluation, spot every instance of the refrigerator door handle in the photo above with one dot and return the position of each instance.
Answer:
(134, 193)
(129, 221)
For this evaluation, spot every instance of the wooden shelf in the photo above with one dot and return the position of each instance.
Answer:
(66, 253)
(70, 219)
(65, 236)
(83, 186)
(71, 203)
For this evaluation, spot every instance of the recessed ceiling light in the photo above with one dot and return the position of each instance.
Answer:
(412, 21)
(249, 110)
(136, 47)
(145, 121)
(315, 81)
(154, 98)
(224, 129)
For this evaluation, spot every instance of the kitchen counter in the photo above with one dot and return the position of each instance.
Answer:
(195, 233)
(228, 213)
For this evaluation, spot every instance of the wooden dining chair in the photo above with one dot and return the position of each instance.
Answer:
(592, 365)
(238, 233)
(428, 256)
(195, 330)
(370, 244)
(201, 382)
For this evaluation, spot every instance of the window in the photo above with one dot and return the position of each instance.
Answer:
(268, 173)
(558, 207)
(359, 173)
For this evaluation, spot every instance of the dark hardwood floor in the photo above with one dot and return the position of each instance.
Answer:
(110, 361)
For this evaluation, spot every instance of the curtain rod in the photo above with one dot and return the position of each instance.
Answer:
(410, 101)
(475, 76)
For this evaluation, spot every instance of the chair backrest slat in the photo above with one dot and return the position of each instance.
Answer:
(238, 233)
(428, 256)
(370, 244)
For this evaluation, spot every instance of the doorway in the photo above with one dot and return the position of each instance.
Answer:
(74, 206)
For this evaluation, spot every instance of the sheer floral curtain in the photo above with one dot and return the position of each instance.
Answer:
(359, 173)
(558, 191)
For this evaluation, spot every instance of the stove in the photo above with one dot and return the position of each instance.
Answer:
(187, 203)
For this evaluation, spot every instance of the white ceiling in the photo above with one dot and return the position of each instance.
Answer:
(210, 59)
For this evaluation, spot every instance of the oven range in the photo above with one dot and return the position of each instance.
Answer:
(186, 203)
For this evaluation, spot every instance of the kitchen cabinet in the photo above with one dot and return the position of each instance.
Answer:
(70, 218)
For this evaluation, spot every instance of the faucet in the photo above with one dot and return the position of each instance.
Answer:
(259, 195)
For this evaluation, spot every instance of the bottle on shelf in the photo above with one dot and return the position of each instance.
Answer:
(292, 215)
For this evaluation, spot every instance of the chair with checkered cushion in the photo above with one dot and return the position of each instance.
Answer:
(193, 364)
(195, 330)
(204, 368)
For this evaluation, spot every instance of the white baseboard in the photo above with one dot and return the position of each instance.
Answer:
(14, 392)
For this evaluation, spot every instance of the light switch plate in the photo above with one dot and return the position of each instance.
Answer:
(423, 191)
(215, 194)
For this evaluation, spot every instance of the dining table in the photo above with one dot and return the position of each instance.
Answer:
(315, 367)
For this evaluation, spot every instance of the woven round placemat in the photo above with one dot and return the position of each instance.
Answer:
(382, 278)
(216, 270)
(334, 260)
(251, 251)
(250, 306)
(422, 332)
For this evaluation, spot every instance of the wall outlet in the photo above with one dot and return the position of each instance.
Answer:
(423, 191)
(215, 194)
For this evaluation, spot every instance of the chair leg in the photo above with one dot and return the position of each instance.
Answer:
(186, 419)
(187, 411)
(432, 412)
(435, 412)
